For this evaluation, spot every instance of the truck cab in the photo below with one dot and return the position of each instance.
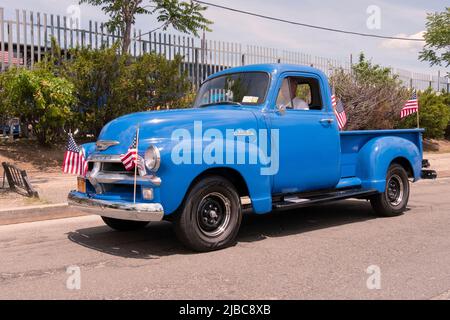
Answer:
(259, 138)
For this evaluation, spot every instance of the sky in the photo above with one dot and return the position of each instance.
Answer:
(404, 18)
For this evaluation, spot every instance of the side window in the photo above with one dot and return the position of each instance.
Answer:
(284, 99)
(300, 93)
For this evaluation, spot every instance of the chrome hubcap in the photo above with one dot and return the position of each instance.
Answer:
(395, 190)
(213, 214)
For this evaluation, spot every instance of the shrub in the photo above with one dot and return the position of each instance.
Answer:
(434, 114)
(372, 96)
(109, 85)
(39, 98)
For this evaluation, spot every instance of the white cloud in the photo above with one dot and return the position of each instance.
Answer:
(403, 44)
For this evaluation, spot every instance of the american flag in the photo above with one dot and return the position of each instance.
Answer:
(74, 159)
(129, 159)
(339, 111)
(4, 55)
(411, 106)
(132, 158)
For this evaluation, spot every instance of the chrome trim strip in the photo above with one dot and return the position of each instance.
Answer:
(102, 145)
(109, 158)
(120, 177)
(124, 211)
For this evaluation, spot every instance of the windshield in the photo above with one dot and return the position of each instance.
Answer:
(247, 88)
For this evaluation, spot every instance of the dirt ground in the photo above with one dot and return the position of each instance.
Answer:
(437, 146)
(29, 156)
(43, 167)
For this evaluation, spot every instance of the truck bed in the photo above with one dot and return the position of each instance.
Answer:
(353, 141)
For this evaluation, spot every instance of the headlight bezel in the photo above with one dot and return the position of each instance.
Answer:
(152, 158)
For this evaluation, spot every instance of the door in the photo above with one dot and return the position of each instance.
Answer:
(309, 140)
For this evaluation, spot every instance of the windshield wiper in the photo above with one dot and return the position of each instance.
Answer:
(221, 102)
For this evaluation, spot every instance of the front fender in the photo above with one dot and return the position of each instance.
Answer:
(177, 178)
(89, 148)
(376, 156)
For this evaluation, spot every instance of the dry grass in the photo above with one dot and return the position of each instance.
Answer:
(29, 156)
(436, 146)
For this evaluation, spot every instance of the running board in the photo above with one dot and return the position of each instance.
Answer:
(297, 201)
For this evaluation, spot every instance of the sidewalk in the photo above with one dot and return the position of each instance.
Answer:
(439, 162)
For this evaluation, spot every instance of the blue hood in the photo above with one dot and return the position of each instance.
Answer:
(156, 127)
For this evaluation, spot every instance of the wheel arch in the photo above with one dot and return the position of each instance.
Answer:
(376, 156)
(230, 174)
(405, 164)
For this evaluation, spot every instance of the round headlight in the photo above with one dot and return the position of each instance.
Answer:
(152, 158)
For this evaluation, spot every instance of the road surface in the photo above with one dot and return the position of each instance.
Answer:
(335, 251)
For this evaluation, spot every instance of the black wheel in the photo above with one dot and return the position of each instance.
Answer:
(393, 201)
(211, 215)
(124, 225)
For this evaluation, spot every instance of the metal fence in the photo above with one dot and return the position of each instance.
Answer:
(26, 37)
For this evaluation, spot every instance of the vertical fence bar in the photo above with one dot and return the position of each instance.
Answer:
(58, 30)
(71, 33)
(32, 38)
(90, 34)
(17, 38)
(39, 45)
(2, 38)
(65, 36)
(25, 38)
(10, 42)
(45, 33)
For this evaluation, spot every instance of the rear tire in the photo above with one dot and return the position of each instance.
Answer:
(124, 225)
(393, 201)
(210, 217)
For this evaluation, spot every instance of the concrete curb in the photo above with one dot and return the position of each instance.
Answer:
(38, 213)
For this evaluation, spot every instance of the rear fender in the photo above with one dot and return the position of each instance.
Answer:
(376, 156)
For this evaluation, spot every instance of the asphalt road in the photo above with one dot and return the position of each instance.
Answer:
(315, 253)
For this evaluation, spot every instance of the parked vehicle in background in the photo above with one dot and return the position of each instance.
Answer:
(263, 138)
(5, 127)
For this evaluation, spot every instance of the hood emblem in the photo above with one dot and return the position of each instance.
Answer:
(102, 145)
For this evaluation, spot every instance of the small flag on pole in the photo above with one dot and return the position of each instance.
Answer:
(74, 159)
(411, 106)
(339, 111)
(131, 158)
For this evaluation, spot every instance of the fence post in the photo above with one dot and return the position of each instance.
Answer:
(2, 38)
(196, 68)
(439, 81)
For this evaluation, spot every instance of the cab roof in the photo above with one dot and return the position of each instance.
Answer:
(272, 68)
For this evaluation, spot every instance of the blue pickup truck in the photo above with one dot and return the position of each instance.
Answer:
(259, 138)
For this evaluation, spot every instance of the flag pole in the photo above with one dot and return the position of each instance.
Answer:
(418, 117)
(136, 165)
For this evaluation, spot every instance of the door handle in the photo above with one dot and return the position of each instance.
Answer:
(327, 121)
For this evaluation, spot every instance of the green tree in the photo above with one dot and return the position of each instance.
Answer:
(367, 72)
(108, 85)
(434, 114)
(39, 98)
(437, 38)
(183, 16)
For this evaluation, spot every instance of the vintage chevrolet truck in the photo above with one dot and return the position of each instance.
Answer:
(259, 138)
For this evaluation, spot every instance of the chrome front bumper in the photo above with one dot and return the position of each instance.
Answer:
(117, 210)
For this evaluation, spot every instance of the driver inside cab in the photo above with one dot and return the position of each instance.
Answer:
(289, 96)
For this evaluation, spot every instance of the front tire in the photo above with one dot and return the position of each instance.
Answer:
(393, 201)
(210, 217)
(124, 225)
